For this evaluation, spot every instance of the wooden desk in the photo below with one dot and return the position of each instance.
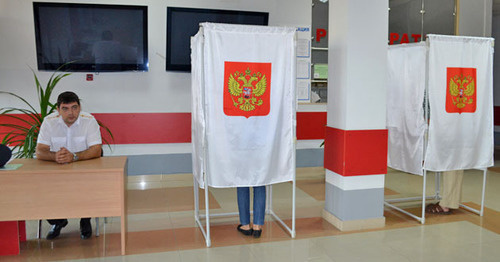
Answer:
(47, 190)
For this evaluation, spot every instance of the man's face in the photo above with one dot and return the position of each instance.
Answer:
(69, 112)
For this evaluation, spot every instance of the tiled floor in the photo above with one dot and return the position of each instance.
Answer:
(161, 227)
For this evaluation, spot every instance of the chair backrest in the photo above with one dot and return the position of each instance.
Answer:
(5, 154)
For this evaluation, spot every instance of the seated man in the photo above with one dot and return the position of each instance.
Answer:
(66, 136)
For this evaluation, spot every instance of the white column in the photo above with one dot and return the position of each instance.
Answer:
(356, 135)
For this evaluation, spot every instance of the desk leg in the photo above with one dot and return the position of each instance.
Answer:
(124, 214)
(9, 238)
(123, 233)
(123, 192)
(22, 231)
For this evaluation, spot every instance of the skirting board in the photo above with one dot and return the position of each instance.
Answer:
(352, 225)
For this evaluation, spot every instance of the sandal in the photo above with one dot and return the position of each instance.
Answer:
(436, 209)
(257, 233)
(246, 232)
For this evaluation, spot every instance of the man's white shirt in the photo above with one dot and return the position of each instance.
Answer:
(81, 135)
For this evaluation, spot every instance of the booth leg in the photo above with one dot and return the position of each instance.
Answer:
(196, 199)
(207, 213)
(293, 208)
(484, 189)
(424, 187)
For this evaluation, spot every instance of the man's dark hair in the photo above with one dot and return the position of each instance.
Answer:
(66, 98)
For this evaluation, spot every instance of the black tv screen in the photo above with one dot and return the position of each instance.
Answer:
(95, 38)
(182, 23)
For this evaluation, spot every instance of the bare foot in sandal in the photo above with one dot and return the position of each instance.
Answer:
(437, 209)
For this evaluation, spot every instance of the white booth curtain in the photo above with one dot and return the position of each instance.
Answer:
(405, 111)
(461, 103)
(243, 105)
(460, 97)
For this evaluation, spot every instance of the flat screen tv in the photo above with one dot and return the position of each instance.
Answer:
(182, 23)
(94, 37)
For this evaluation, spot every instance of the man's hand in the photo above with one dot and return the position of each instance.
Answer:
(63, 156)
(43, 153)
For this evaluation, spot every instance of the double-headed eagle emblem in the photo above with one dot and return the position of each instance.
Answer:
(461, 89)
(246, 95)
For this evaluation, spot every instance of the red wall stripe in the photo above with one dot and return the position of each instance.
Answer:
(153, 128)
(9, 120)
(356, 152)
(148, 128)
(311, 125)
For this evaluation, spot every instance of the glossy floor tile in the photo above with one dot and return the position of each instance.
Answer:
(162, 226)
(424, 243)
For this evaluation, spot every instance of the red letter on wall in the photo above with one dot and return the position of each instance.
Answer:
(415, 37)
(404, 39)
(320, 32)
(393, 38)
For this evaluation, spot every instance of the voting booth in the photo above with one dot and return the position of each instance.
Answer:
(243, 111)
(440, 109)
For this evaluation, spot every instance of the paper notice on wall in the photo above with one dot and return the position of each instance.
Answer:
(303, 68)
(303, 48)
(303, 90)
(320, 71)
(303, 65)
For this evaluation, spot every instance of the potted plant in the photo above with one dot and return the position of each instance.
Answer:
(23, 130)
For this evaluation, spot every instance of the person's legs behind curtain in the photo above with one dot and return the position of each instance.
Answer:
(259, 209)
(243, 195)
(452, 189)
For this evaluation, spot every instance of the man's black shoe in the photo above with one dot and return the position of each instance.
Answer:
(56, 230)
(86, 234)
(85, 229)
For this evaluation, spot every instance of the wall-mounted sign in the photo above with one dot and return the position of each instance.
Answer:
(320, 33)
(394, 38)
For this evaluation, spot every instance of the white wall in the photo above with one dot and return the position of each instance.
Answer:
(153, 91)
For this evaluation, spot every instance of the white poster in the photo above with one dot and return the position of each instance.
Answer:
(248, 103)
(303, 68)
(303, 89)
(303, 53)
(303, 47)
(405, 107)
(461, 103)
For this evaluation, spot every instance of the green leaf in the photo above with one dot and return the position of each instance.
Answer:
(108, 132)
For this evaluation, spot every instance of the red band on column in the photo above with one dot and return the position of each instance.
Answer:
(356, 152)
